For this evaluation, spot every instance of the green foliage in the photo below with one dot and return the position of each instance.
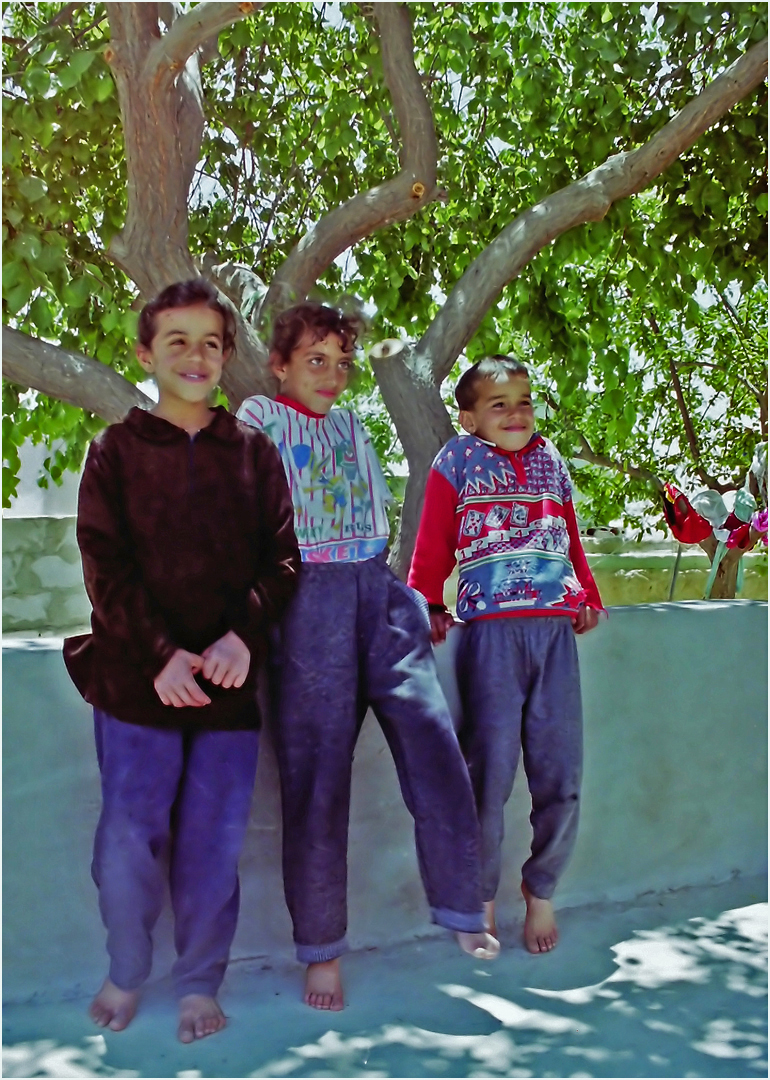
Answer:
(627, 409)
(63, 199)
(526, 98)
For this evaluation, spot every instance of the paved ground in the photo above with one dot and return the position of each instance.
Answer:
(672, 985)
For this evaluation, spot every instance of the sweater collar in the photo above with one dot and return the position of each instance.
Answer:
(516, 456)
(299, 407)
(155, 429)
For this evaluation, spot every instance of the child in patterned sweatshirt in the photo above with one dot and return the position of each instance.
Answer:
(500, 496)
(353, 636)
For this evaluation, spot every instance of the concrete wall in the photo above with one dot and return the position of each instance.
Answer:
(674, 795)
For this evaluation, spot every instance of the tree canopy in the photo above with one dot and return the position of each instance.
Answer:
(580, 184)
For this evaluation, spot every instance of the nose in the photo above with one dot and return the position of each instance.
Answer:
(198, 351)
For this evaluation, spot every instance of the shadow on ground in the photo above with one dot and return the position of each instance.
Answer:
(672, 985)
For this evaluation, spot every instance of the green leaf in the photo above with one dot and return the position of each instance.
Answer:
(27, 246)
(78, 65)
(37, 80)
(18, 297)
(33, 188)
(41, 315)
(76, 293)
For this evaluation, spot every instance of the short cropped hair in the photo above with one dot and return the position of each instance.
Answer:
(495, 367)
(186, 294)
(319, 321)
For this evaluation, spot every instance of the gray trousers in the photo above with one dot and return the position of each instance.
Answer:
(520, 689)
(354, 636)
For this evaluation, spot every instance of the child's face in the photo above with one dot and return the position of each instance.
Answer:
(186, 354)
(316, 373)
(502, 413)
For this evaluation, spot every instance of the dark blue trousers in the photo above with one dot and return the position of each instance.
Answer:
(355, 636)
(519, 684)
(180, 800)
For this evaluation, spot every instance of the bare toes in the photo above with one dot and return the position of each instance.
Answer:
(199, 1016)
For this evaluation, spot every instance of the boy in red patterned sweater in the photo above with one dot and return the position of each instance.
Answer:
(501, 497)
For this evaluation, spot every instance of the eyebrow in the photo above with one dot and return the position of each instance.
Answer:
(313, 351)
(186, 333)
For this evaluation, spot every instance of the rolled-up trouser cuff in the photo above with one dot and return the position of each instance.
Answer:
(319, 954)
(205, 987)
(542, 888)
(465, 922)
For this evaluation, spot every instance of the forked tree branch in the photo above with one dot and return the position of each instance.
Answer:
(394, 200)
(189, 33)
(158, 81)
(587, 199)
(69, 376)
(587, 454)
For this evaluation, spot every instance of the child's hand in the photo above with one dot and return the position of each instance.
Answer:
(226, 662)
(176, 686)
(440, 622)
(586, 619)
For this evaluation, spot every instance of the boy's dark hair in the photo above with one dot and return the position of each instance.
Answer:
(491, 367)
(186, 294)
(319, 321)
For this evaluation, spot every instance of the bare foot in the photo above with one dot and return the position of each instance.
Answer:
(540, 933)
(489, 917)
(199, 1016)
(482, 945)
(114, 1008)
(323, 986)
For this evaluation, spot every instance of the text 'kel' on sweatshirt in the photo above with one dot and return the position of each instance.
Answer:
(339, 492)
(183, 539)
(507, 518)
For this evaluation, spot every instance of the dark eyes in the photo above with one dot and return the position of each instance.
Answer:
(213, 344)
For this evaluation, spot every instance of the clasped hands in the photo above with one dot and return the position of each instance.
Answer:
(225, 663)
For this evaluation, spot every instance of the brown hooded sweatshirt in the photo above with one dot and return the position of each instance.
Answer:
(183, 539)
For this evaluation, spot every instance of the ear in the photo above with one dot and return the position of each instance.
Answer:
(278, 365)
(467, 421)
(144, 356)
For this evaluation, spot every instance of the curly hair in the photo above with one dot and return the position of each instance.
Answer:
(319, 321)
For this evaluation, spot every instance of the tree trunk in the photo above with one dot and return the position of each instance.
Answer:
(727, 574)
(414, 403)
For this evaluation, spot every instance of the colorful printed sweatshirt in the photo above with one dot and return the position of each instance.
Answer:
(508, 518)
(337, 486)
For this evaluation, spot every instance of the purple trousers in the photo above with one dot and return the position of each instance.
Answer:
(176, 800)
(355, 636)
(520, 688)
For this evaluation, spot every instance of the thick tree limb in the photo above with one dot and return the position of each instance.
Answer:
(69, 377)
(158, 82)
(587, 199)
(396, 199)
(189, 33)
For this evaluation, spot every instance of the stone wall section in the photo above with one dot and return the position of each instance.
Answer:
(43, 588)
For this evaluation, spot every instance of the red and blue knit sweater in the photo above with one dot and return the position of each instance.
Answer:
(508, 518)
